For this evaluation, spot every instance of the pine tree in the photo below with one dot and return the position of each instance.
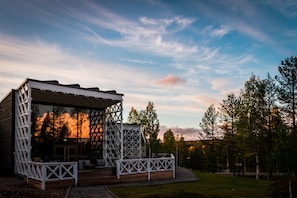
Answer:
(229, 112)
(208, 125)
(287, 96)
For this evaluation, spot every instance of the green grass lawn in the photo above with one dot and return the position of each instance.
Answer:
(209, 185)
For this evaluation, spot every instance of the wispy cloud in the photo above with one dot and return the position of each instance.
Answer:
(176, 23)
(253, 32)
(287, 7)
(138, 61)
(165, 57)
(217, 32)
(152, 35)
(221, 83)
(137, 84)
(42, 60)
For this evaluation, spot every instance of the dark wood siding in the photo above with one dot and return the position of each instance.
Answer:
(7, 134)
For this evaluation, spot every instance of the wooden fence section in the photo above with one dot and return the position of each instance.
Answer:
(52, 171)
(145, 165)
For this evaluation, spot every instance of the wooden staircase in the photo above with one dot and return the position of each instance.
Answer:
(97, 177)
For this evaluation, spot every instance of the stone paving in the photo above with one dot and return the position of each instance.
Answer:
(182, 175)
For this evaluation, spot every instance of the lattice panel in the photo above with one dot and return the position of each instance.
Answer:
(113, 134)
(132, 142)
(96, 132)
(22, 129)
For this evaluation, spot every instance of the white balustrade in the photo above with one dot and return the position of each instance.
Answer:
(145, 165)
(52, 171)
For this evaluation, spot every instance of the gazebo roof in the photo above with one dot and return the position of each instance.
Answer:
(52, 92)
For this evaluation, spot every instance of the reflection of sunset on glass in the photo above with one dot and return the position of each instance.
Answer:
(75, 128)
(55, 129)
(78, 127)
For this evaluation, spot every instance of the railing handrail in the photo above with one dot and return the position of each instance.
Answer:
(149, 159)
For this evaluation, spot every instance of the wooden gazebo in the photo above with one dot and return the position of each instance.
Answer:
(48, 131)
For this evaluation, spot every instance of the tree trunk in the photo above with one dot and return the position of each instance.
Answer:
(257, 166)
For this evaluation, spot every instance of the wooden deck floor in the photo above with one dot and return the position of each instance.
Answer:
(102, 176)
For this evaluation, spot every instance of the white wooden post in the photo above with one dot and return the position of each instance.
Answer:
(75, 173)
(118, 168)
(148, 169)
(43, 175)
(173, 166)
(290, 189)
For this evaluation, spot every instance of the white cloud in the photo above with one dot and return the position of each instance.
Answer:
(189, 134)
(221, 31)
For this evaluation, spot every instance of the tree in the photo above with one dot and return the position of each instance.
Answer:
(270, 100)
(133, 117)
(209, 122)
(280, 149)
(208, 125)
(287, 87)
(229, 112)
(195, 158)
(287, 96)
(148, 120)
(181, 153)
(169, 141)
(252, 116)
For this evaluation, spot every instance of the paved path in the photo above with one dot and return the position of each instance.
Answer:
(182, 175)
(90, 192)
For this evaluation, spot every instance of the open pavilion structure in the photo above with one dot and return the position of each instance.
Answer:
(50, 131)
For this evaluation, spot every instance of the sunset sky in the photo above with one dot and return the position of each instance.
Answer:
(181, 55)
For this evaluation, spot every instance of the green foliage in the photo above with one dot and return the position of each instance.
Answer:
(287, 96)
(209, 121)
(196, 156)
(259, 125)
(133, 117)
(148, 120)
(169, 142)
(287, 87)
(208, 125)
(182, 151)
(229, 113)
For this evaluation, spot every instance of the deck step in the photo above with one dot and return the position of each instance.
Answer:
(97, 177)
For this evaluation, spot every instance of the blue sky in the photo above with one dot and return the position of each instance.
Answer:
(181, 55)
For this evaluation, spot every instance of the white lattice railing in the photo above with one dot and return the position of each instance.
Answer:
(52, 171)
(145, 165)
